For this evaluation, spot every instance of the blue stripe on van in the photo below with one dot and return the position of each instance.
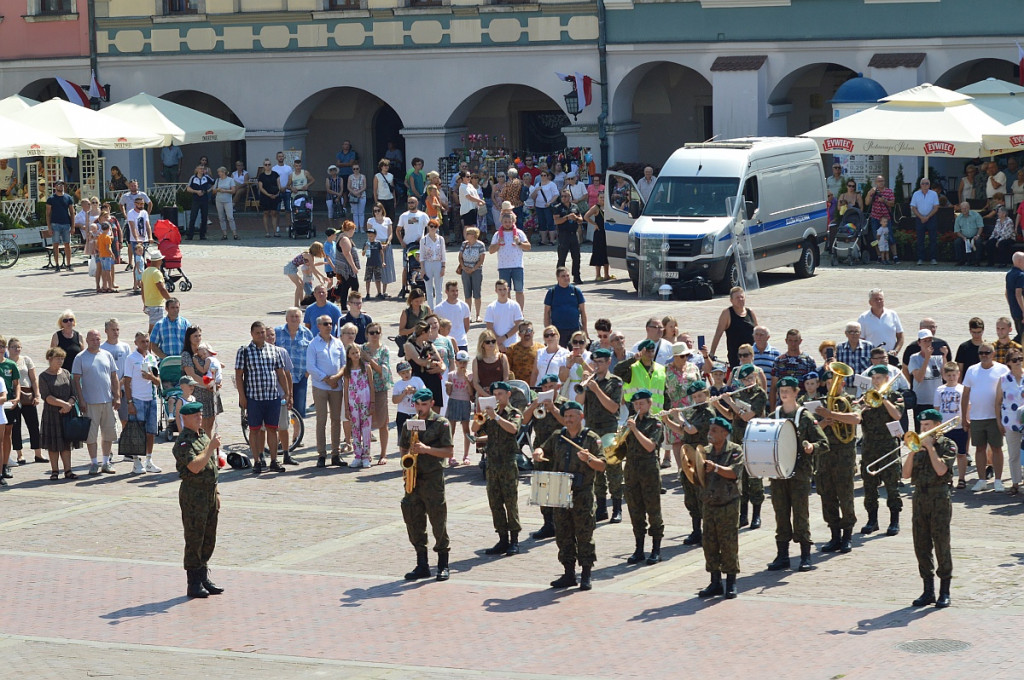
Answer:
(778, 224)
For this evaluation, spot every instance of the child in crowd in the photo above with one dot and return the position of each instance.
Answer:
(718, 385)
(358, 403)
(882, 240)
(373, 252)
(401, 394)
(947, 402)
(139, 261)
(105, 259)
(812, 388)
(460, 397)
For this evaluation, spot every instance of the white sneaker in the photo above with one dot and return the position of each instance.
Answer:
(94, 469)
(998, 485)
(980, 485)
(108, 468)
(367, 463)
(137, 469)
(151, 467)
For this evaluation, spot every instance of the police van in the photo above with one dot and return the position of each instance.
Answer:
(708, 199)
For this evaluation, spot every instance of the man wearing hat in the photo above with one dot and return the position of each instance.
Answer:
(574, 527)
(721, 505)
(194, 456)
(693, 428)
(641, 372)
(741, 412)
(60, 215)
(680, 373)
(925, 367)
(601, 396)
(930, 470)
(501, 425)
(877, 441)
(643, 477)
(542, 429)
(789, 496)
(427, 500)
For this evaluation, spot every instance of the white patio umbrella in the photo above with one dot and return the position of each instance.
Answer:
(18, 140)
(85, 128)
(15, 103)
(1008, 96)
(175, 122)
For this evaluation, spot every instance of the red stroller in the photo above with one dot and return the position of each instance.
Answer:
(169, 244)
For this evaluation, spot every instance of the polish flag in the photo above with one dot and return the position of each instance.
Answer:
(96, 90)
(74, 93)
(583, 86)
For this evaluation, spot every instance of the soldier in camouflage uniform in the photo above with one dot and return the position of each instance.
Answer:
(877, 441)
(501, 426)
(427, 499)
(694, 431)
(643, 477)
(542, 429)
(721, 500)
(789, 496)
(931, 472)
(835, 479)
(752, 488)
(601, 414)
(196, 461)
(574, 527)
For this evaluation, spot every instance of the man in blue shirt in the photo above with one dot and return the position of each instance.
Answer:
(346, 158)
(564, 307)
(321, 307)
(167, 338)
(294, 338)
(1015, 293)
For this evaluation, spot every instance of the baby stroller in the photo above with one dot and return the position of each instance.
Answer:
(169, 244)
(170, 373)
(413, 268)
(301, 225)
(846, 246)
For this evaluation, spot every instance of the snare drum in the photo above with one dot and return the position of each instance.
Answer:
(769, 448)
(551, 489)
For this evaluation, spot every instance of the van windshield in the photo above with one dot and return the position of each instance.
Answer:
(691, 196)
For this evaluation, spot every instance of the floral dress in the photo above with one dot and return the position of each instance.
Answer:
(1012, 405)
(676, 382)
(359, 412)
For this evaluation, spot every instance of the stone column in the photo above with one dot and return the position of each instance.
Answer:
(739, 96)
(431, 143)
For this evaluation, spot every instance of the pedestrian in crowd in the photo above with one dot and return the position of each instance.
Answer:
(619, 351)
(426, 361)
(522, 356)
(60, 215)
(196, 367)
(27, 409)
(321, 306)
(855, 352)
(471, 261)
(241, 191)
(880, 326)
(412, 226)
(356, 317)
(1015, 293)
(594, 216)
(510, 243)
(980, 418)
(141, 382)
(384, 187)
(459, 393)
(502, 317)
(379, 360)
(1002, 240)
(565, 307)
(925, 206)
(57, 393)
(335, 196)
(881, 199)
(130, 197)
(307, 260)
(268, 186)
(544, 196)
(347, 160)
(571, 373)
(1010, 397)
(359, 400)
(643, 487)
(568, 220)
(10, 396)
(971, 185)
(926, 368)
(373, 254)
(325, 355)
(259, 370)
(489, 365)
(120, 351)
(470, 200)
(347, 264)
(655, 327)
(456, 312)
(118, 182)
(1003, 344)
(416, 180)
(284, 201)
(948, 402)
(224, 188)
(792, 363)
(432, 259)
(967, 352)
(737, 323)
(968, 231)
(200, 185)
(679, 375)
(167, 339)
(67, 338)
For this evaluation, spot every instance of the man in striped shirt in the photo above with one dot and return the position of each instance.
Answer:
(764, 354)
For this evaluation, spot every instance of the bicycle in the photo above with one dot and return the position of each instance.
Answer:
(9, 251)
(296, 428)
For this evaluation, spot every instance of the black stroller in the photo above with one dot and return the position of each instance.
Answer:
(301, 225)
(414, 269)
(848, 245)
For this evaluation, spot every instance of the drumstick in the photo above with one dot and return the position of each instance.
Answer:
(578, 447)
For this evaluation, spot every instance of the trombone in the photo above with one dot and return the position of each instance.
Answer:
(912, 440)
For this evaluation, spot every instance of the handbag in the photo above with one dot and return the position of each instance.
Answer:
(133, 439)
(458, 270)
(76, 426)
(26, 397)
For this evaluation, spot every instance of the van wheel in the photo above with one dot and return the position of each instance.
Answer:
(808, 261)
(731, 278)
(635, 279)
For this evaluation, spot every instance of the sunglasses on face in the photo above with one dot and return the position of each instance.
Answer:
(984, 354)
(550, 335)
(579, 342)
(373, 332)
(67, 320)
(490, 342)
(1015, 360)
(745, 354)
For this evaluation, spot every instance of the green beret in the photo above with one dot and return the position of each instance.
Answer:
(423, 394)
(930, 414)
(571, 406)
(500, 385)
(640, 394)
(789, 381)
(722, 422)
(745, 370)
(881, 368)
(601, 353)
(190, 408)
(647, 343)
(549, 378)
(696, 386)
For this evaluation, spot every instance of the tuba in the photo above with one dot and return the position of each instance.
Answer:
(409, 463)
(838, 403)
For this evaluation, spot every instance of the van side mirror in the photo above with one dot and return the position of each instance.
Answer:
(750, 208)
(634, 209)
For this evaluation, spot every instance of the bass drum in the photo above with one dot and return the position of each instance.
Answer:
(769, 448)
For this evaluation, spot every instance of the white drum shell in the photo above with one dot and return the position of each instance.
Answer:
(770, 448)
(551, 489)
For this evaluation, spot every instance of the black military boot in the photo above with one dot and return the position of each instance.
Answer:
(422, 569)
(805, 557)
(781, 560)
(894, 523)
(546, 531)
(442, 566)
(210, 586)
(602, 509)
(755, 519)
(872, 525)
(714, 588)
(195, 584)
(500, 547)
(695, 536)
(744, 521)
(846, 545)
(832, 545)
(928, 595)
(568, 579)
(616, 511)
(730, 586)
(513, 544)
(585, 583)
(655, 555)
(943, 600)
(638, 555)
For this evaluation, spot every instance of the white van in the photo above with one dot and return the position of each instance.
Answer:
(772, 188)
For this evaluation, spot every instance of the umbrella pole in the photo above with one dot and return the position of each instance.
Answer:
(145, 173)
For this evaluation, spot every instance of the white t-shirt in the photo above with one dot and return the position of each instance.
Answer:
(982, 405)
(947, 400)
(456, 313)
(548, 362)
(284, 173)
(383, 229)
(128, 199)
(505, 317)
(3, 411)
(879, 330)
(139, 225)
(134, 366)
(466, 205)
(406, 406)
(120, 352)
(510, 256)
(991, 191)
(414, 222)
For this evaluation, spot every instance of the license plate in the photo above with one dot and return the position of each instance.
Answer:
(667, 275)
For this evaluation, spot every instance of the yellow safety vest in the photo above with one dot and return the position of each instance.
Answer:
(654, 382)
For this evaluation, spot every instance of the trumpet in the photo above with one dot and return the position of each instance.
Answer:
(838, 403)
(912, 440)
(479, 417)
(873, 398)
(541, 411)
(409, 463)
(585, 383)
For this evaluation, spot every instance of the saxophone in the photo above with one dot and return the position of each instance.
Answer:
(409, 463)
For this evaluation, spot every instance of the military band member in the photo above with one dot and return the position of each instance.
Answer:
(756, 399)
(877, 441)
(574, 527)
(501, 425)
(196, 462)
(542, 429)
(427, 500)
(721, 499)
(694, 431)
(836, 470)
(601, 398)
(789, 496)
(643, 477)
(931, 472)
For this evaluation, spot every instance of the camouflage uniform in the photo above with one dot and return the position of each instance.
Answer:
(643, 479)
(835, 482)
(789, 496)
(700, 417)
(503, 472)
(427, 498)
(721, 511)
(752, 488)
(198, 497)
(574, 527)
(603, 422)
(542, 429)
(933, 510)
(876, 443)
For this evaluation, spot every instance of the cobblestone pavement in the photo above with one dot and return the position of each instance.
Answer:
(313, 559)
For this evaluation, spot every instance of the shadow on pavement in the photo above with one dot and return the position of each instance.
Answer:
(531, 601)
(901, 618)
(143, 610)
(684, 608)
(354, 597)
